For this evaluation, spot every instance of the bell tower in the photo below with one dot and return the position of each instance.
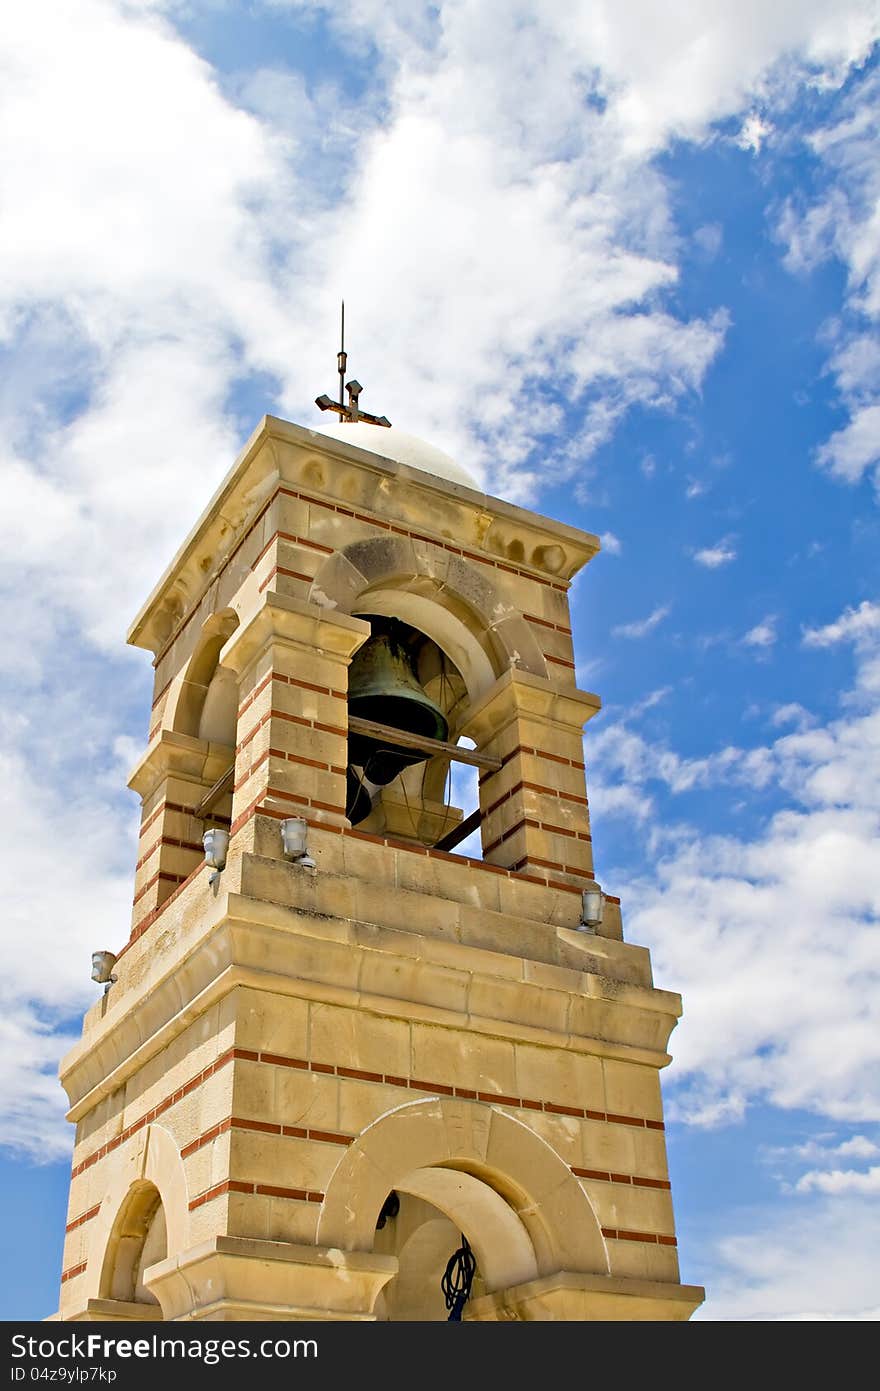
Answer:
(334, 1050)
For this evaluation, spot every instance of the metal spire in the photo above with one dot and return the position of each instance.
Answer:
(351, 412)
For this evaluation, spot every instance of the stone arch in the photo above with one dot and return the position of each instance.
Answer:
(522, 1209)
(441, 594)
(203, 701)
(148, 1179)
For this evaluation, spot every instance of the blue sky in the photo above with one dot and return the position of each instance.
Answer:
(621, 261)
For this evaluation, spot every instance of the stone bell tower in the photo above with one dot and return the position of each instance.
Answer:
(332, 1047)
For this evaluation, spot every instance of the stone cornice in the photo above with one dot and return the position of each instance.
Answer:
(280, 453)
(267, 947)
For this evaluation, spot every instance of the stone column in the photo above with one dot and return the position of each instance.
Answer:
(172, 779)
(292, 748)
(535, 813)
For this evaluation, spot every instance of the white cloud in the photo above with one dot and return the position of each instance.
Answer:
(859, 1147)
(792, 713)
(67, 866)
(840, 1181)
(746, 927)
(850, 452)
(854, 624)
(640, 627)
(711, 557)
(763, 634)
(610, 542)
(753, 132)
(709, 238)
(815, 1260)
(842, 222)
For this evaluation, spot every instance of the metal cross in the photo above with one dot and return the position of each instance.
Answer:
(351, 412)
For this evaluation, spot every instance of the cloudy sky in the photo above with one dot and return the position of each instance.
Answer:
(620, 259)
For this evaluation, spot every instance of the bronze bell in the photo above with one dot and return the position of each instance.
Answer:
(383, 686)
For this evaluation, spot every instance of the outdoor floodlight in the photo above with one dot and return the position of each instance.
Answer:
(216, 843)
(102, 968)
(294, 833)
(592, 904)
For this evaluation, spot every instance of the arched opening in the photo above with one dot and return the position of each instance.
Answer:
(404, 680)
(474, 1170)
(138, 1239)
(207, 702)
(423, 1239)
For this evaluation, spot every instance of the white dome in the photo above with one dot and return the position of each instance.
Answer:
(403, 448)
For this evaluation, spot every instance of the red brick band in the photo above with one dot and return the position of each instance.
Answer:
(284, 680)
(72, 1271)
(166, 806)
(545, 623)
(605, 1176)
(83, 1217)
(290, 719)
(177, 879)
(356, 1074)
(161, 1108)
(269, 1190)
(168, 840)
(535, 787)
(535, 753)
(548, 826)
(653, 1238)
(297, 541)
(280, 570)
(444, 1089)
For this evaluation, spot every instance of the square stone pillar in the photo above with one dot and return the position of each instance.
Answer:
(535, 813)
(172, 779)
(291, 755)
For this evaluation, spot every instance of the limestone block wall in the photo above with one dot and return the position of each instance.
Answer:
(319, 1075)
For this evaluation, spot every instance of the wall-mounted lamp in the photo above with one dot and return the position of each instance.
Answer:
(216, 843)
(294, 833)
(102, 968)
(592, 905)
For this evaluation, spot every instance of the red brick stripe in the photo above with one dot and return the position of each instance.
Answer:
(545, 623)
(165, 806)
(168, 840)
(269, 1190)
(281, 570)
(444, 1089)
(72, 1271)
(653, 1238)
(550, 827)
(605, 1176)
(177, 879)
(359, 1074)
(534, 787)
(83, 1217)
(283, 680)
(163, 1106)
(297, 540)
(535, 753)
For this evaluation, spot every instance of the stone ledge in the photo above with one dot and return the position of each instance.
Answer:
(571, 1296)
(247, 1278)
